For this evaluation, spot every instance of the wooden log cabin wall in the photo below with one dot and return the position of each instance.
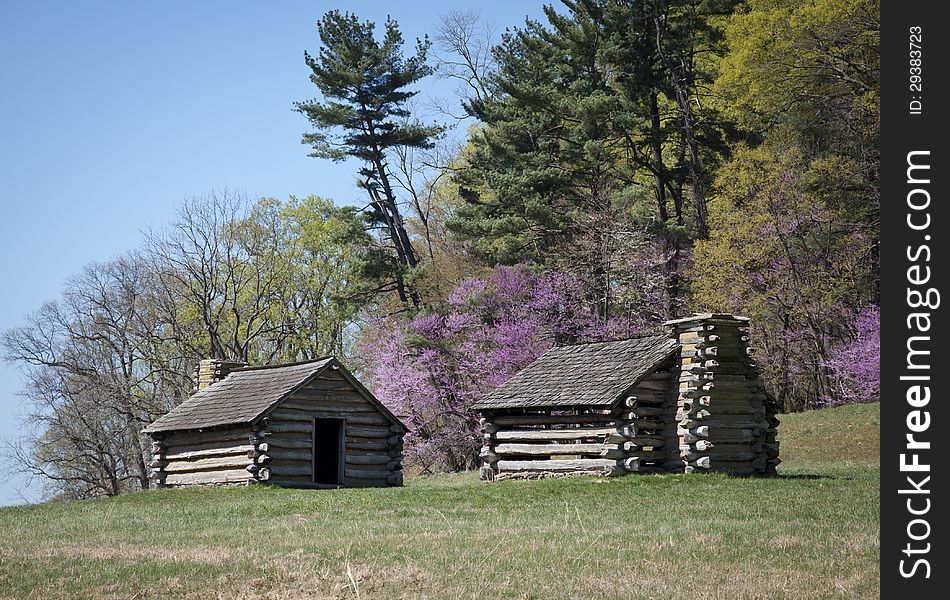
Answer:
(725, 418)
(689, 401)
(303, 425)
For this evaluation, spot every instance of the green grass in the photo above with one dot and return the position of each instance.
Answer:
(811, 532)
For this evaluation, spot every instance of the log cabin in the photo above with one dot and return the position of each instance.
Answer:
(689, 400)
(309, 425)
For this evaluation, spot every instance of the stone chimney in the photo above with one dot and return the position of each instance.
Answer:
(212, 370)
(726, 421)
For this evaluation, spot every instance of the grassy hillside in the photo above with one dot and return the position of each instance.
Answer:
(811, 532)
(843, 433)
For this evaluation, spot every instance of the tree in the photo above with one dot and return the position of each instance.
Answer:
(331, 265)
(270, 282)
(783, 252)
(97, 370)
(365, 87)
(262, 283)
(594, 116)
(807, 73)
(219, 276)
(855, 362)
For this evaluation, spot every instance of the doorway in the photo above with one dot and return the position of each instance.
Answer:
(328, 444)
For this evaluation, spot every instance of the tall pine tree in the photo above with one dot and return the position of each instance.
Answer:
(363, 114)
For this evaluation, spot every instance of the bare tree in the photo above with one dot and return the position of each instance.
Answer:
(91, 381)
(228, 273)
(463, 53)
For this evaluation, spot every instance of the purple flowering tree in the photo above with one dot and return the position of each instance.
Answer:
(431, 368)
(855, 365)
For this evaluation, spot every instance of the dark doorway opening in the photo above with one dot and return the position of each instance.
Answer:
(328, 451)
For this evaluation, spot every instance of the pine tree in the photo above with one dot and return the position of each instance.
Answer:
(363, 114)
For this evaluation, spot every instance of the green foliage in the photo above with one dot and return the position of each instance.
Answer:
(812, 66)
(363, 82)
(794, 240)
(330, 267)
(784, 252)
(590, 143)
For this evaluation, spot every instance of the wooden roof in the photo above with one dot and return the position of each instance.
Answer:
(247, 394)
(595, 374)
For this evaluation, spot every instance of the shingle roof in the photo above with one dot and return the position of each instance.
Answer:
(594, 374)
(244, 395)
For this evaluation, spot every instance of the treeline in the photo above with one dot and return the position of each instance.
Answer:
(622, 163)
(258, 282)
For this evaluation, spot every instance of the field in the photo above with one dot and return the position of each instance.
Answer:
(812, 532)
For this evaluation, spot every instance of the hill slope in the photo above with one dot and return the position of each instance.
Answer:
(811, 532)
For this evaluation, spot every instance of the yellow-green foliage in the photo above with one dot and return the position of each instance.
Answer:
(794, 61)
(784, 250)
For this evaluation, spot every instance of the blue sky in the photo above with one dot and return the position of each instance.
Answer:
(112, 112)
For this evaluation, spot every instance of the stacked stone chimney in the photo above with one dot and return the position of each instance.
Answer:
(213, 370)
(726, 422)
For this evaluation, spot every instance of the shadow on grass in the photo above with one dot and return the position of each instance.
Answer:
(805, 476)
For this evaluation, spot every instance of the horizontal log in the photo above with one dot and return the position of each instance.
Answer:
(638, 440)
(694, 434)
(716, 376)
(642, 412)
(523, 420)
(363, 444)
(739, 447)
(367, 418)
(285, 443)
(321, 400)
(285, 468)
(290, 427)
(209, 477)
(367, 459)
(375, 474)
(368, 432)
(695, 389)
(282, 454)
(647, 455)
(718, 456)
(700, 445)
(208, 464)
(238, 435)
(722, 424)
(701, 414)
(186, 453)
(553, 434)
(645, 398)
(394, 479)
(329, 385)
(547, 449)
(554, 466)
(749, 412)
